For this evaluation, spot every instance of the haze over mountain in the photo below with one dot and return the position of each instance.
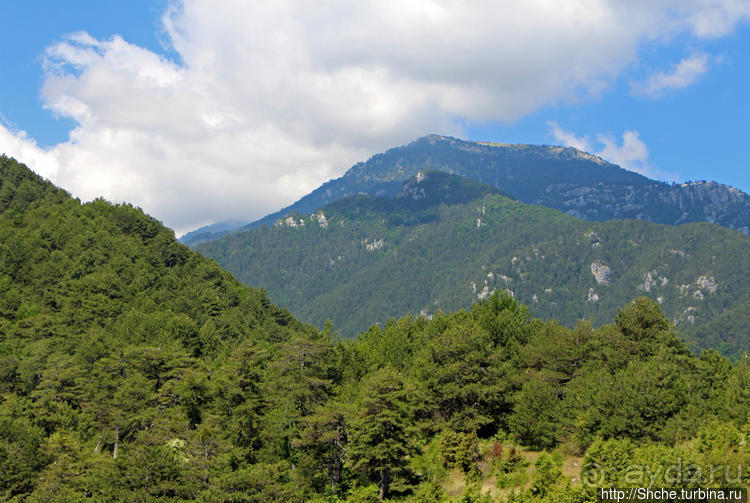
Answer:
(444, 242)
(566, 179)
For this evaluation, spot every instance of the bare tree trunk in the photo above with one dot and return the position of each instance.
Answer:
(383, 483)
(117, 441)
(335, 472)
(98, 442)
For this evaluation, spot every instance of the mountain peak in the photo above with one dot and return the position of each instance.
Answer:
(553, 151)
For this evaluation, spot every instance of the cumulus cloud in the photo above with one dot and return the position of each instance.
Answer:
(22, 146)
(684, 73)
(266, 100)
(630, 153)
(568, 138)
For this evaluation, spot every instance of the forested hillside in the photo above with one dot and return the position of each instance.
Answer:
(565, 179)
(364, 259)
(133, 369)
(130, 366)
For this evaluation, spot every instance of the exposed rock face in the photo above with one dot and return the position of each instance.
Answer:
(690, 315)
(654, 202)
(707, 283)
(648, 282)
(601, 272)
(593, 296)
(290, 221)
(373, 245)
(593, 239)
(484, 293)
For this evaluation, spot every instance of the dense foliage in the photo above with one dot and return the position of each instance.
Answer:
(132, 369)
(364, 259)
(113, 337)
(565, 179)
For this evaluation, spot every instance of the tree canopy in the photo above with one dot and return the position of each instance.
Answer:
(134, 369)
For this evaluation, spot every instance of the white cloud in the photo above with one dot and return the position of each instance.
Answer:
(270, 99)
(631, 153)
(714, 18)
(684, 73)
(568, 138)
(19, 144)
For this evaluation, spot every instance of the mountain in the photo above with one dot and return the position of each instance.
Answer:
(134, 369)
(445, 242)
(565, 179)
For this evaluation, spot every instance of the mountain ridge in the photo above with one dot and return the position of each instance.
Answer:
(564, 178)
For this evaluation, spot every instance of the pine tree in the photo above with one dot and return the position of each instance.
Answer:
(380, 442)
(323, 441)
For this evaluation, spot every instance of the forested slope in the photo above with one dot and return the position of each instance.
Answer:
(364, 259)
(129, 365)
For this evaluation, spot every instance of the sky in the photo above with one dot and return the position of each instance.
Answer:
(200, 111)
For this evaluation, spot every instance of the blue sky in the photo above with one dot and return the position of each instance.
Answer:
(201, 112)
(700, 132)
(32, 26)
